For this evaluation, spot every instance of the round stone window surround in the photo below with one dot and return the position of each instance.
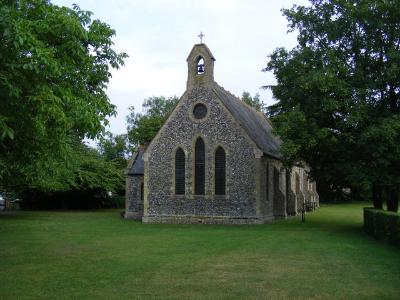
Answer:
(191, 112)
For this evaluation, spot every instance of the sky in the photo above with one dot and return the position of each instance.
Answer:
(159, 34)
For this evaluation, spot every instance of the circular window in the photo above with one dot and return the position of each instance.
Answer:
(199, 111)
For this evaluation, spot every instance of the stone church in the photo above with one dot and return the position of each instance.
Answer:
(215, 161)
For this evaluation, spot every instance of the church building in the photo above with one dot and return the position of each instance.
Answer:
(214, 161)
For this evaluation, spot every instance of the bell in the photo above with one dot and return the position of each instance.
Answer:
(200, 69)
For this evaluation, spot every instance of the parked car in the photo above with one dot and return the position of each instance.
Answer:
(15, 204)
(2, 203)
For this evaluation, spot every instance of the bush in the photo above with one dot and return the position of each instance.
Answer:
(76, 199)
(383, 225)
(114, 201)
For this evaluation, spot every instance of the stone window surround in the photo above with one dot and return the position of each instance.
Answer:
(198, 59)
(199, 111)
(173, 159)
(214, 171)
(193, 118)
(174, 169)
(199, 174)
(189, 187)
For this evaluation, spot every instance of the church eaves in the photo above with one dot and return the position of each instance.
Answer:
(137, 165)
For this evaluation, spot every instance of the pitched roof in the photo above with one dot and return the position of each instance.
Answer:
(200, 46)
(136, 165)
(256, 125)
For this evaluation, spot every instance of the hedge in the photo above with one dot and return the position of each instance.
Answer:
(383, 225)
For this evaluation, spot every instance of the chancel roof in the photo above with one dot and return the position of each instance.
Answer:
(256, 125)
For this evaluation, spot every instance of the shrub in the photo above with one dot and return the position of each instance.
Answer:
(383, 225)
(114, 201)
(75, 199)
(369, 221)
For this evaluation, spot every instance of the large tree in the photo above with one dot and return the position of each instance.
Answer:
(54, 67)
(142, 127)
(114, 147)
(338, 94)
(84, 180)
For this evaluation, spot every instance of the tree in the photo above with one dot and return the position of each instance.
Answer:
(92, 171)
(113, 147)
(254, 102)
(85, 181)
(338, 95)
(54, 67)
(142, 128)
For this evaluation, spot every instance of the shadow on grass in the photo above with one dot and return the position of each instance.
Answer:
(328, 218)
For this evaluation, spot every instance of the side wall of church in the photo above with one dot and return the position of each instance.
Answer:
(304, 190)
(291, 194)
(273, 189)
(310, 192)
(218, 128)
(134, 198)
(284, 193)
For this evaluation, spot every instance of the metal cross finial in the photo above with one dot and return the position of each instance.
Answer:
(201, 35)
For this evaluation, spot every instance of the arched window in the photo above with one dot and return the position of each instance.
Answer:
(141, 191)
(220, 176)
(267, 182)
(200, 66)
(180, 172)
(298, 185)
(277, 178)
(199, 167)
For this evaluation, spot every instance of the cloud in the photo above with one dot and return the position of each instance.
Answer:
(158, 35)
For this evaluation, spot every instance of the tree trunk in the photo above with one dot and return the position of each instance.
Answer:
(393, 200)
(377, 196)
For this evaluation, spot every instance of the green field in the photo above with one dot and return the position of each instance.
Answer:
(56, 255)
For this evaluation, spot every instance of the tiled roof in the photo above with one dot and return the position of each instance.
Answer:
(256, 125)
(136, 167)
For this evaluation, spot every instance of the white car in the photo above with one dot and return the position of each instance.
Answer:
(2, 203)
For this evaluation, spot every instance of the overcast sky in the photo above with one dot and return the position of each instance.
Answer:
(159, 34)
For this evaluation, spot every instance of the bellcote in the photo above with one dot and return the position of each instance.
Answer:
(200, 66)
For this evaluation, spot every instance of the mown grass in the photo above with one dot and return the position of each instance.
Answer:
(86, 255)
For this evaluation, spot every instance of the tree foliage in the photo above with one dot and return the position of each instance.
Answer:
(254, 101)
(338, 93)
(114, 147)
(142, 128)
(54, 67)
(93, 171)
(84, 181)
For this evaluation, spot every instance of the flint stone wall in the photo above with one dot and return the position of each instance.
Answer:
(182, 130)
(134, 204)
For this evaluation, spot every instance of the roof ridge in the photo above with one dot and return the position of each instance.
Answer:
(244, 103)
(255, 123)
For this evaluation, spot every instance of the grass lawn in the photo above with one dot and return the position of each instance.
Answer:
(56, 255)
